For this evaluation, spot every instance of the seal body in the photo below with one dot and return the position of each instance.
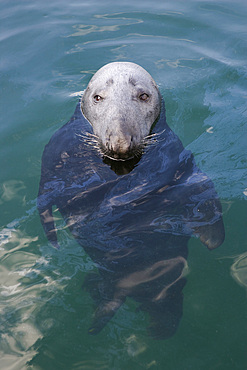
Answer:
(136, 226)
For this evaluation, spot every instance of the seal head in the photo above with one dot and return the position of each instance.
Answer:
(121, 102)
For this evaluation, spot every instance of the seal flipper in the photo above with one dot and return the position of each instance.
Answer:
(105, 298)
(211, 231)
(212, 235)
(105, 311)
(165, 316)
(45, 201)
(48, 224)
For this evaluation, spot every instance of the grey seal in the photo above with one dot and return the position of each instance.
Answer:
(122, 101)
(135, 227)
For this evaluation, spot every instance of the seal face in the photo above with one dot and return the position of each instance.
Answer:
(121, 102)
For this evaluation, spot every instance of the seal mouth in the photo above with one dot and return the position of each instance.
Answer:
(118, 156)
(118, 159)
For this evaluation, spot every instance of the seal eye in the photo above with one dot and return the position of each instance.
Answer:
(97, 98)
(144, 97)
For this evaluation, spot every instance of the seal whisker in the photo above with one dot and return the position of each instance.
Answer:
(151, 135)
(87, 135)
(91, 141)
(89, 138)
(153, 138)
(138, 151)
(92, 135)
(155, 134)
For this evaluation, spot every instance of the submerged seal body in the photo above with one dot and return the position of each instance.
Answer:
(136, 226)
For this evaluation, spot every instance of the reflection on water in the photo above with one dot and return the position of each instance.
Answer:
(28, 282)
(239, 269)
(134, 346)
(11, 189)
(19, 291)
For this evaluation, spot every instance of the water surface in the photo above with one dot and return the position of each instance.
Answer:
(196, 52)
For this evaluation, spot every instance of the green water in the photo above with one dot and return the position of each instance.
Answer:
(196, 52)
